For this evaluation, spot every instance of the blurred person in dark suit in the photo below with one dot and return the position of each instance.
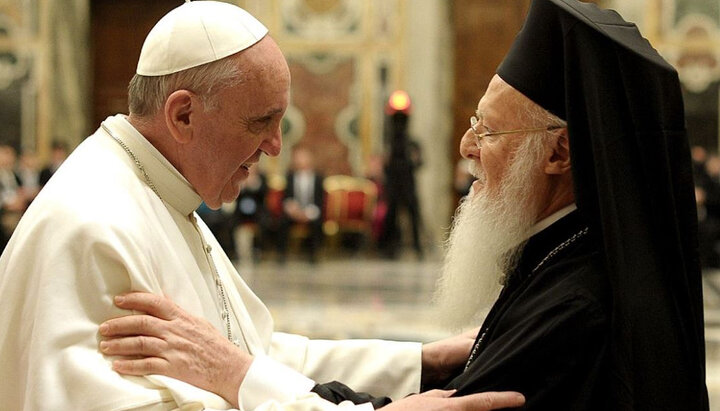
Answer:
(28, 172)
(250, 219)
(303, 202)
(57, 156)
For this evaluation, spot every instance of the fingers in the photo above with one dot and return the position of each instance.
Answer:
(153, 304)
(134, 346)
(144, 366)
(437, 400)
(438, 393)
(491, 400)
(132, 325)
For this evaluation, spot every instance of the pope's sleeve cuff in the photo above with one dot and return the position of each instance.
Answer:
(268, 380)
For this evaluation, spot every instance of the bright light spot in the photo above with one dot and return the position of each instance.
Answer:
(399, 100)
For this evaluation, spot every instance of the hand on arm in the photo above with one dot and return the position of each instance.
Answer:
(168, 341)
(440, 400)
(441, 359)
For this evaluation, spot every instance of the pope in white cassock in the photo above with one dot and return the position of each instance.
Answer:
(206, 103)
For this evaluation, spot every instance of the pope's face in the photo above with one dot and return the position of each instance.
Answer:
(498, 109)
(244, 124)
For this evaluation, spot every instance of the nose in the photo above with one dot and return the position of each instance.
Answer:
(468, 146)
(272, 145)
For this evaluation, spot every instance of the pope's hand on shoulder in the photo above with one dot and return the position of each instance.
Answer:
(168, 341)
(443, 358)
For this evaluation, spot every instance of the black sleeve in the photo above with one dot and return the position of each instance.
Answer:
(555, 357)
(336, 393)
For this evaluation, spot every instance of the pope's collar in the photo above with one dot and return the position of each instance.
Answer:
(171, 186)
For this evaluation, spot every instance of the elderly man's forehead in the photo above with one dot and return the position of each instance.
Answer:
(501, 100)
(499, 91)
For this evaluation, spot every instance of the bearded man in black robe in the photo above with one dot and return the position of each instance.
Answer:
(583, 210)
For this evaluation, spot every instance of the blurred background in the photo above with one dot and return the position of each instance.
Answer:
(341, 235)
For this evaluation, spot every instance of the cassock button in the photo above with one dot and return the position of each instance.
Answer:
(224, 315)
(208, 248)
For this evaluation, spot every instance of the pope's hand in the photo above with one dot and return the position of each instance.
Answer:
(443, 358)
(168, 341)
(438, 400)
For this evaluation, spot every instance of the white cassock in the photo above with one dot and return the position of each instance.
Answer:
(98, 230)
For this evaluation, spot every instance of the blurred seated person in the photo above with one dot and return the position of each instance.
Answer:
(302, 202)
(708, 231)
(12, 200)
(707, 196)
(57, 157)
(220, 224)
(251, 216)
(709, 181)
(28, 172)
(699, 157)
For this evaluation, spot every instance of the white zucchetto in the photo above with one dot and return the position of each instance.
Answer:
(196, 33)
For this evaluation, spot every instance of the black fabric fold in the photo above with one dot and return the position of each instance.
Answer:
(337, 392)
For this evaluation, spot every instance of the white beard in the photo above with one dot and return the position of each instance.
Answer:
(486, 237)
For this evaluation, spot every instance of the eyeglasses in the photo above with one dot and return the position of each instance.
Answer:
(474, 123)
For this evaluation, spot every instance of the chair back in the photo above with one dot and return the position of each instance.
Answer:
(276, 192)
(349, 204)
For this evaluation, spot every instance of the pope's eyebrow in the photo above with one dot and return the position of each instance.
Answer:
(266, 115)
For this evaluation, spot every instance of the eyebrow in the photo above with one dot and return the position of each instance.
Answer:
(481, 119)
(479, 114)
(267, 114)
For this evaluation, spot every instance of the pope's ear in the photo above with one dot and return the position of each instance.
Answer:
(179, 113)
(559, 161)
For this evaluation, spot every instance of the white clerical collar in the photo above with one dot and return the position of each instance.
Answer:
(552, 218)
(171, 186)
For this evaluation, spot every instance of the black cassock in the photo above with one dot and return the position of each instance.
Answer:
(547, 334)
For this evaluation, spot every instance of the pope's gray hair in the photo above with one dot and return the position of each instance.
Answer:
(147, 94)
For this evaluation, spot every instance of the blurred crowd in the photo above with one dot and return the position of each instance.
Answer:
(303, 211)
(21, 178)
(706, 172)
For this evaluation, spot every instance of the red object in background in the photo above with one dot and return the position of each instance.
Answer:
(399, 101)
